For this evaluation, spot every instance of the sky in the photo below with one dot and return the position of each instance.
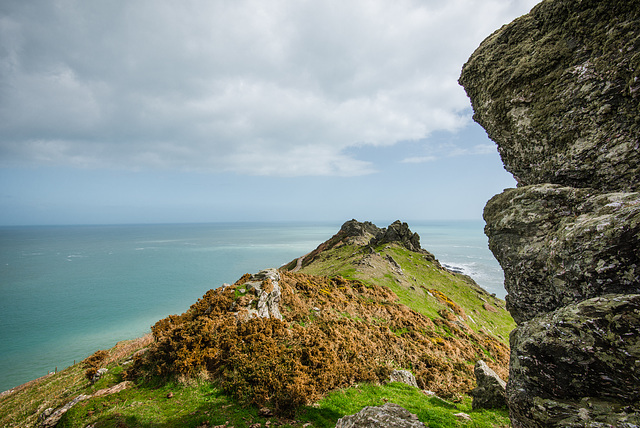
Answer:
(157, 111)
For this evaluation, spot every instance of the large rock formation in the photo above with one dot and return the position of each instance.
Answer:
(557, 90)
(579, 365)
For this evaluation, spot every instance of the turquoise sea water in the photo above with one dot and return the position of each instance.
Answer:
(66, 291)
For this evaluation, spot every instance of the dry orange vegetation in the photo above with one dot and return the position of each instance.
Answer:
(334, 333)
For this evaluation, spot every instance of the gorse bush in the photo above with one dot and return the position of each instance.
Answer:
(93, 362)
(334, 333)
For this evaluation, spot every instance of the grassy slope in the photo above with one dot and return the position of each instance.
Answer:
(199, 403)
(418, 275)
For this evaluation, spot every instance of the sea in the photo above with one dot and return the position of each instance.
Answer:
(67, 291)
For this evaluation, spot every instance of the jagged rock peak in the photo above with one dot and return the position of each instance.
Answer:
(367, 233)
(359, 232)
(368, 236)
(399, 232)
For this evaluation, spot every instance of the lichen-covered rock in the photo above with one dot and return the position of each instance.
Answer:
(404, 376)
(490, 392)
(264, 285)
(389, 415)
(559, 245)
(578, 366)
(559, 89)
(400, 233)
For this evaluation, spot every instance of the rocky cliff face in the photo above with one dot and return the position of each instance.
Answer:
(559, 245)
(557, 90)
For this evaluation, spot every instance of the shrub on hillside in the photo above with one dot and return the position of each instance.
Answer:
(93, 362)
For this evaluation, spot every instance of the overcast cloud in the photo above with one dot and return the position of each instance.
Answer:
(259, 87)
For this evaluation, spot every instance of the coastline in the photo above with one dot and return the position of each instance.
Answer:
(25, 385)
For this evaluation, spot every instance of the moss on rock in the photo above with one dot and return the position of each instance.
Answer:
(557, 89)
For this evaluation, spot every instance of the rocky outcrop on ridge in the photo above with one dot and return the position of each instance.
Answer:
(398, 232)
(366, 234)
(261, 296)
(557, 90)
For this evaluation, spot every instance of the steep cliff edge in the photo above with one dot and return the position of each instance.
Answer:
(557, 90)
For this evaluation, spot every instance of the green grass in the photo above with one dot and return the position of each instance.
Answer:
(22, 407)
(433, 411)
(196, 403)
(162, 405)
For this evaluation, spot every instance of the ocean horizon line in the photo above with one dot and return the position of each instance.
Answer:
(378, 222)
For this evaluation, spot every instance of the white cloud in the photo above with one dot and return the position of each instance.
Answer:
(478, 149)
(420, 159)
(449, 150)
(267, 88)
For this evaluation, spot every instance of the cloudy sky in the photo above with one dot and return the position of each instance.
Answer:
(161, 111)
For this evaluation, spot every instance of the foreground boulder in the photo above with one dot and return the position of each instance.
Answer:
(490, 392)
(557, 90)
(389, 415)
(578, 366)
